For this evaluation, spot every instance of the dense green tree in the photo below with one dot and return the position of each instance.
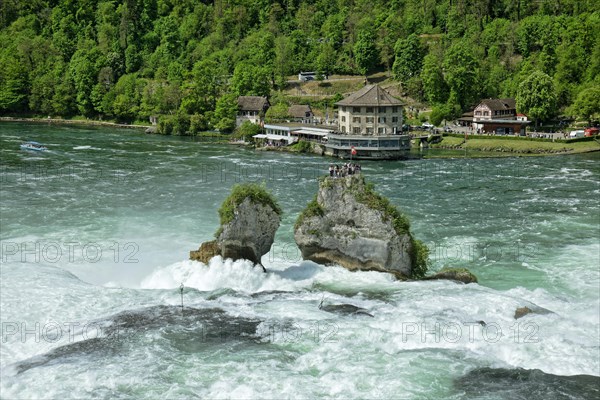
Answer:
(13, 82)
(225, 112)
(84, 68)
(587, 104)
(365, 52)
(460, 72)
(434, 85)
(277, 111)
(201, 93)
(439, 113)
(284, 60)
(247, 130)
(127, 95)
(537, 97)
(67, 57)
(409, 58)
(251, 80)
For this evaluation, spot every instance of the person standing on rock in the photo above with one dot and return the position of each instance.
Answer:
(331, 170)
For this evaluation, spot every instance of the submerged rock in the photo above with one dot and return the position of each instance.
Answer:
(532, 309)
(345, 309)
(519, 383)
(188, 330)
(250, 217)
(351, 225)
(522, 311)
(454, 274)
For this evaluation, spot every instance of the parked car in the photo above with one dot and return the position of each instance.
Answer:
(576, 134)
(427, 125)
(591, 132)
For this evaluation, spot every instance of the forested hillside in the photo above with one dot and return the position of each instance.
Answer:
(127, 60)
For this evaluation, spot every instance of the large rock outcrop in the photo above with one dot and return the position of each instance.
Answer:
(250, 217)
(351, 225)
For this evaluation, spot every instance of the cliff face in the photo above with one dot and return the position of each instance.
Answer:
(351, 225)
(249, 219)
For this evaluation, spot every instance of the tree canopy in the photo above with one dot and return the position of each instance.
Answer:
(131, 59)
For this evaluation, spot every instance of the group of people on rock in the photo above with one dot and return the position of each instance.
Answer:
(347, 169)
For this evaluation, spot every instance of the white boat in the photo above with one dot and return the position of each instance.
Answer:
(33, 146)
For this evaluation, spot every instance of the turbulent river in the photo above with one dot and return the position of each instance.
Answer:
(95, 237)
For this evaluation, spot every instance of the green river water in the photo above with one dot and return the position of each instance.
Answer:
(96, 232)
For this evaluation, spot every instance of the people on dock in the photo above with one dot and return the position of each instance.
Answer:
(346, 169)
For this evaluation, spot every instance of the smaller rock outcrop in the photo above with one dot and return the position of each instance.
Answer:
(350, 225)
(206, 251)
(249, 217)
(454, 274)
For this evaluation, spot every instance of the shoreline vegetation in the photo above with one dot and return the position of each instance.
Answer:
(480, 146)
(519, 146)
(89, 122)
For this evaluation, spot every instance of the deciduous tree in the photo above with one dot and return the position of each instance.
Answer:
(536, 96)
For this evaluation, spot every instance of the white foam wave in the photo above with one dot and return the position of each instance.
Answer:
(239, 275)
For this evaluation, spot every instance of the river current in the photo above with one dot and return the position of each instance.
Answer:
(95, 237)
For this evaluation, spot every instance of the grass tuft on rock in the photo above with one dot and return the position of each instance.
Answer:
(367, 195)
(420, 258)
(312, 209)
(257, 194)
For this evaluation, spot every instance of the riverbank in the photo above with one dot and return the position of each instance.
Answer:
(88, 122)
(517, 146)
(473, 147)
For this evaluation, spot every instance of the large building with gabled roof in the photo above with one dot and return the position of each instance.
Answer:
(370, 111)
(370, 123)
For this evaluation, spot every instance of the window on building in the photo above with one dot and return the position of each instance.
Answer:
(382, 110)
(394, 119)
(356, 120)
(356, 109)
(343, 118)
(395, 109)
(381, 131)
(344, 108)
(356, 130)
(369, 110)
(478, 113)
(369, 120)
(369, 131)
(382, 120)
(343, 129)
(486, 113)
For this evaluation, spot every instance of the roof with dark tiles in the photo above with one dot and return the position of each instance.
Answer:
(252, 103)
(370, 95)
(499, 104)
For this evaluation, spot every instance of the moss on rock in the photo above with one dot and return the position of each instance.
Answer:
(312, 209)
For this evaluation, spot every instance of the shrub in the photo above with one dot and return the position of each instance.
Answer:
(373, 200)
(420, 258)
(302, 146)
(312, 209)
